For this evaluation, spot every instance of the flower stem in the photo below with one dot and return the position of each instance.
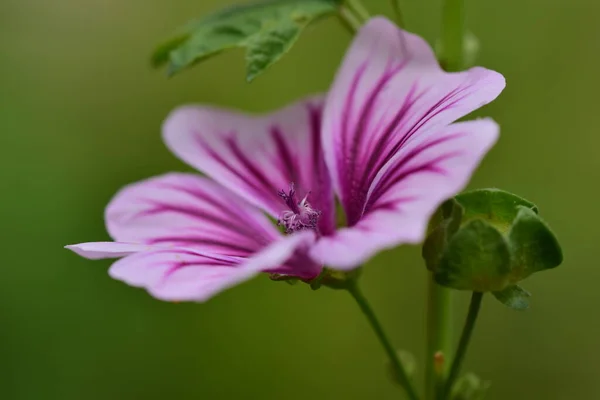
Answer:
(439, 339)
(397, 366)
(465, 338)
(349, 19)
(398, 13)
(453, 35)
(359, 10)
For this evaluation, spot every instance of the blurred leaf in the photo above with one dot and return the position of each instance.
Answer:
(496, 206)
(409, 362)
(470, 387)
(514, 297)
(477, 258)
(533, 245)
(443, 225)
(267, 30)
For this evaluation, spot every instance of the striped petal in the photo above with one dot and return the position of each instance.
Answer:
(257, 156)
(185, 210)
(427, 170)
(187, 275)
(389, 90)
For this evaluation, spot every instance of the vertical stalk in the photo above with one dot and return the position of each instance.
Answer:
(465, 338)
(439, 339)
(439, 308)
(453, 35)
(397, 365)
(398, 13)
(357, 7)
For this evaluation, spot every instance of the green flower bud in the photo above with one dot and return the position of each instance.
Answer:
(487, 241)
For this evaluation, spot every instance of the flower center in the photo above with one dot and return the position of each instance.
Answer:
(300, 214)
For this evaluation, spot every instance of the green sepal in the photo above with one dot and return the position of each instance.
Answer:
(470, 387)
(267, 30)
(514, 297)
(291, 280)
(534, 247)
(495, 206)
(444, 223)
(335, 279)
(477, 258)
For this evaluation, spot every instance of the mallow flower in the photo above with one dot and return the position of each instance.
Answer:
(382, 146)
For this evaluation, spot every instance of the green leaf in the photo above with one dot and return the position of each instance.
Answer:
(514, 297)
(470, 387)
(477, 258)
(444, 223)
(267, 30)
(533, 245)
(495, 206)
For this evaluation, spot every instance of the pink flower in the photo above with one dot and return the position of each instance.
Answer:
(383, 142)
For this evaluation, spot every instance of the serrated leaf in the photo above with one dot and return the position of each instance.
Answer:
(495, 206)
(477, 258)
(443, 225)
(533, 245)
(514, 297)
(267, 30)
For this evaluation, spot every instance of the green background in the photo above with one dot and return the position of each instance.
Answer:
(80, 116)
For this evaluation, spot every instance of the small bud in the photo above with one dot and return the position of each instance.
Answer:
(438, 363)
(470, 387)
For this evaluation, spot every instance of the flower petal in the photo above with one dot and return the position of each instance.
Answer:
(189, 211)
(426, 171)
(257, 156)
(185, 275)
(99, 250)
(389, 89)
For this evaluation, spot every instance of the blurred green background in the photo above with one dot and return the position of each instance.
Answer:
(80, 116)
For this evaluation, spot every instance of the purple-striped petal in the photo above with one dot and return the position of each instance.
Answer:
(187, 275)
(190, 211)
(427, 170)
(257, 156)
(99, 250)
(390, 89)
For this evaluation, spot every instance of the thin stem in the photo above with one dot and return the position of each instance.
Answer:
(349, 19)
(465, 338)
(399, 369)
(398, 13)
(439, 338)
(453, 35)
(359, 10)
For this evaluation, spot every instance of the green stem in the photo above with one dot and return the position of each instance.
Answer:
(358, 9)
(398, 13)
(453, 35)
(439, 338)
(465, 338)
(397, 366)
(349, 19)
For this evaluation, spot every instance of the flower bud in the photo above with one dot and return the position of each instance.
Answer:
(487, 241)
